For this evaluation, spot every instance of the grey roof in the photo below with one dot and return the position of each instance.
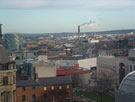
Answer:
(24, 83)
(55, 80)
(59, 80)
(51, 53)
(3, 55)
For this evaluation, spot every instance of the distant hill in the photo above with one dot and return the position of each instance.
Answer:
(124, 31)
(63, 34)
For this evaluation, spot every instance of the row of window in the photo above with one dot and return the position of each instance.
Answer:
(60, 87)
(132, 68)
(5, 80)
(7, 67)
(45, 88)
(45, 96)
(60, 95)
(33, 98)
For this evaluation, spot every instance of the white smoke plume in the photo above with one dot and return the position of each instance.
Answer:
(88, 23)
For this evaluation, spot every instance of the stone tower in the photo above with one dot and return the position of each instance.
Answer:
(7, 75)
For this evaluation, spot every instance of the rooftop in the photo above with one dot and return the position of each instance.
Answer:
(59, 80)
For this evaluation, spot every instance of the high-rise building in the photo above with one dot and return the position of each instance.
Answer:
(7, 76)
(13, 41)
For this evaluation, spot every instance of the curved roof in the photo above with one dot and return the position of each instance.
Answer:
(3, 55)
(128, 84)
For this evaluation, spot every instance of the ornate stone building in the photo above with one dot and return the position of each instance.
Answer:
(7, 75)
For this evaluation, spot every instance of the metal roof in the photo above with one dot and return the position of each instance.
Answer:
(128, 84)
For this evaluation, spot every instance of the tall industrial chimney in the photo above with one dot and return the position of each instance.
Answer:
(79, 32)
(0, 30)
(0, 34)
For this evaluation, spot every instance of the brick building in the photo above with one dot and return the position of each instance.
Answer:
(51, 89)
(7, 76)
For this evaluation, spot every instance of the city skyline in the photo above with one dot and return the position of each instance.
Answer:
(49, 16)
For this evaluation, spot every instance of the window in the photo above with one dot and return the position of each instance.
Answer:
(33, 88)
(67, 94)
(52, 87)
(130, 68)
(134, 67)
(60, 94)
(23, 89)
(60, 87)
(45, 88)
(14, 79)
(67, 86)
(5, 80)
(23, 99)
(6, 67)
(34, 98)
(45, 96)
(4, 97)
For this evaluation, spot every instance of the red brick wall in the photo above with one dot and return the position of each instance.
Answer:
(57, 98)
(27, 93)
(39, 92)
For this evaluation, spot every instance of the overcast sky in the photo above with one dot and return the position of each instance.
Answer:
(46, 16)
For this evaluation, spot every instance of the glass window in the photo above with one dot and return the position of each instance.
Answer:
(52, 87)
(33, 97)
(45, 96)
(4, 97)
(33, 88)
(23, 89)
(60, 94)
(5, 80)
(67, 86)
(23, 99)
(60, 87)
(130, 68)
(67, 94)
(45, 88)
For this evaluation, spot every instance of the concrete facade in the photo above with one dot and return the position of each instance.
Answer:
(106, 70)
(87, 63)
(44, 69)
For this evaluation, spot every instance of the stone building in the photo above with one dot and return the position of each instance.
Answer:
(7, 76)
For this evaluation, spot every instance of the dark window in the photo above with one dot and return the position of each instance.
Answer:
(33, 88)
(130, 68)
(67, 94)
(6, 67)
(53, 93)
(33, 98)
(60, 94)
(23, 99)
(5, 80)
(14, 79)
(45, 96)
(23, 89)
(4, 97)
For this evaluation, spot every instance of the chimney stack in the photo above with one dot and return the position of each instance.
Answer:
(79, 32)
(0, 30)
(0, 34)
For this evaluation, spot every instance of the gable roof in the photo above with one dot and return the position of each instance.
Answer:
(59, 80)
